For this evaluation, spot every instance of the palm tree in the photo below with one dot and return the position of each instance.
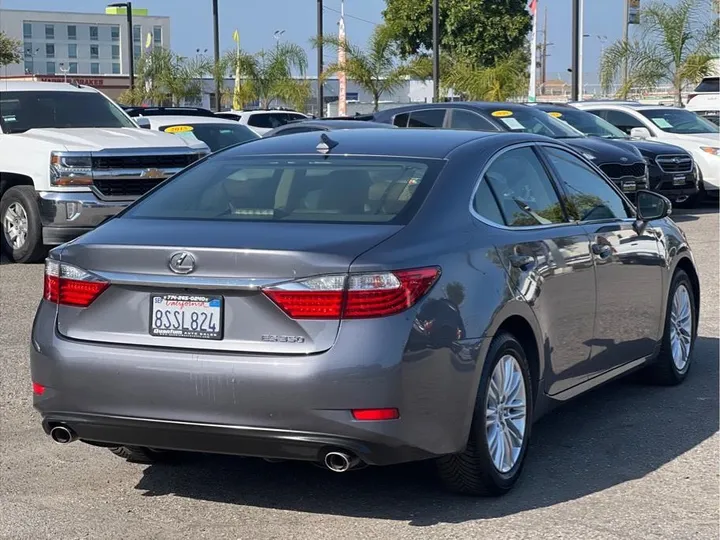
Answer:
(676, 44)
(268, 75)
(506, 79)
(376, 69)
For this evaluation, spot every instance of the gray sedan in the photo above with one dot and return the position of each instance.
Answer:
(362, 297)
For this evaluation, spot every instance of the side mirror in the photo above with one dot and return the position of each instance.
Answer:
(142, 122)
(651, 205)
(640, 133)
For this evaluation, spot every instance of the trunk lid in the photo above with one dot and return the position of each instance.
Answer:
(235, 260)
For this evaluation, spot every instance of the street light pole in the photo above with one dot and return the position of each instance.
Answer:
(216, 45)
(576, 37)
(320, 99)
(131, 57)
(626, 24)
(436, 50)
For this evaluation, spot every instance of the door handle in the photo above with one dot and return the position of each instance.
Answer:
(523, 262)
(601, 250)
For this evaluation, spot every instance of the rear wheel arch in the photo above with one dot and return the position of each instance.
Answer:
(684, 263)
(524, 333)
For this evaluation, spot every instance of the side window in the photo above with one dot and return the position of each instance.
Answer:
(524, 190)
(401, 120)
(485, 204)
(260, 120)
(588, 196)
(429, 118)
(468, 120)
(622, 120)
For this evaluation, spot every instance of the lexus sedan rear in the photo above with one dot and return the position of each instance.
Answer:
(361, 297)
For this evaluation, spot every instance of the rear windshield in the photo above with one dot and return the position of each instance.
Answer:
(709, 84)
(293, 188)
(216, 136)
(273, 120)
(21, 111)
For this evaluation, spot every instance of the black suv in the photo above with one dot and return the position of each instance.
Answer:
(624, 165)
(671, 169)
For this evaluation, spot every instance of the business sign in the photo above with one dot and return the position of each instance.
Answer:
(83, 81)
(633, 15)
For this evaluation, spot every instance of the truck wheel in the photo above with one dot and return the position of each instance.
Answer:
(21, 236)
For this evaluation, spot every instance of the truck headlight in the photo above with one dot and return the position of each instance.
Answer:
(70, 169)
(714, 150)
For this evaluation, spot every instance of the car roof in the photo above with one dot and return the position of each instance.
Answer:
(338, 124)
(188, 120)
(635, 106)
(263, 111)
(36, 86)
(418, 143)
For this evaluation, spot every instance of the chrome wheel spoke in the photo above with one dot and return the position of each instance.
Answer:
(681, 329)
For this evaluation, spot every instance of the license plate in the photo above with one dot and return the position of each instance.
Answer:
(678, 180)
(186, 316)
(629, 186)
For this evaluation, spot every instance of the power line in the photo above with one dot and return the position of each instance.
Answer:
(352, 16)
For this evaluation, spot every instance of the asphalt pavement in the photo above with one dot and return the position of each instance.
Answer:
(625, 461)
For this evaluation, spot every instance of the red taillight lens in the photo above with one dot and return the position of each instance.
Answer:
(69, 285)
(356, 296)
(38, 389)
(369, 415)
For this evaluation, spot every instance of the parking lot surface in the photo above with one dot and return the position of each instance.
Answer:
(626, 461)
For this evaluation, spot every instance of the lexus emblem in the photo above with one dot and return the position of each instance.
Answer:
(182, 262)
(152, 173)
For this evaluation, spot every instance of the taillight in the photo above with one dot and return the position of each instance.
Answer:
(353, 296)
(69, 285)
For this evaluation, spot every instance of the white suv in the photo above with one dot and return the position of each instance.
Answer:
(671, 125)
(262, 121)
(705, 99)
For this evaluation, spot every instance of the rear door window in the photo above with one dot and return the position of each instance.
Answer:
(428, 118)
(401, 120)
(291, 188)
(468, 120)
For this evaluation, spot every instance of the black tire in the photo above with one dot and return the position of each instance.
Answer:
(32, 250)
(663, 369)
(140, 454)
(472, 471)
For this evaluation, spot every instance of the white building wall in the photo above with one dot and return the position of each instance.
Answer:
(112, 40)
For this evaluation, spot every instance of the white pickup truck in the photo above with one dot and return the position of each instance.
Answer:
(70, 159)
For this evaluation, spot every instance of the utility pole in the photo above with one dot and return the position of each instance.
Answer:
(216, 38)
(576, 37)
(320, 100)
(581, 46)
(544, 55)
(436, 50)
(626, 25)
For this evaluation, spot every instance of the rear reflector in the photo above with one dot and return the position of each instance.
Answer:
(38, 389)
(355, 296)
(69, 285)
(368, 415)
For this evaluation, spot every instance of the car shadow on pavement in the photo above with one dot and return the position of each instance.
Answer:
(618, 433)
(680, 215)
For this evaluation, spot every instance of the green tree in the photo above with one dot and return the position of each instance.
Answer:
(10, 50)
(482, 32)
(506, 79)
(676, 45)
(375, 69)
(268, 75)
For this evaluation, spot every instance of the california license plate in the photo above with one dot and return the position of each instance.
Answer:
(679, 180)
(186, 316)
(629, 186)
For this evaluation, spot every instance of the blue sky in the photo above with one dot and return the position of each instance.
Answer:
(258, 19)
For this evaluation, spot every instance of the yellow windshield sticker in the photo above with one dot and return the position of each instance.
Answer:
(555, 114)
(178, 129)
(502, 114)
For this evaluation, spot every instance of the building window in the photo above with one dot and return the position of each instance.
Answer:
(115, 52)
(72, 32)
(137, 33)
(50, 50)
(137, 52)
(27, 30)
(115, 33)
(49, 31)
(116, 68)
(73, 67)
(50, 68)
(157, 36)
(94, 68)
(72, 50)
(93, 33)
(94, 51)
(28, 67)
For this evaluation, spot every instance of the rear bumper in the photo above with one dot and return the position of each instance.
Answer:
(292, 407)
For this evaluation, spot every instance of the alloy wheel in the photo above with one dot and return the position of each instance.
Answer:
(681, 329)
(15, 225)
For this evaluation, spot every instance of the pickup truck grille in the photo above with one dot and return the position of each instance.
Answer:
(619, 170)
(170, 161)
(127, 188)
(675, 164)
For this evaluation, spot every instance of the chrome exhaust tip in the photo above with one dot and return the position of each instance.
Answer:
(340, 461)
(62, 435)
